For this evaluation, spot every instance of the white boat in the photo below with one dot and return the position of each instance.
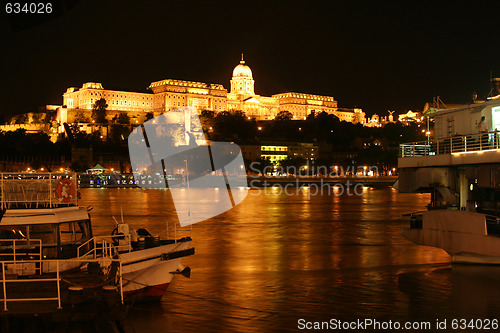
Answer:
(44, 231)
(461, 169)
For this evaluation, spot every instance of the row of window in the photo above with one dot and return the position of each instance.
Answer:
(116, 102)
(137, 98)
(121, 96)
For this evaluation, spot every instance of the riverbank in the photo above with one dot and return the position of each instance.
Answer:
(127, 180)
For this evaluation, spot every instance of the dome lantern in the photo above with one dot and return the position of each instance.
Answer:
(242, 81)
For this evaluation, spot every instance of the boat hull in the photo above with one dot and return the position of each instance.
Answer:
(463, 235)
(148, 273)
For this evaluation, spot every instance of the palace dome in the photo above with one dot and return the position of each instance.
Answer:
(242, 70)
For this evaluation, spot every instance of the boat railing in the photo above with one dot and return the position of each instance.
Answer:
(105, 246)
(174, 231)
(458, 144)
(7, 280)
(14, 249)
(38, 190)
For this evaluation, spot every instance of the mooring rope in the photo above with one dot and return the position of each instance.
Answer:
(206, 299)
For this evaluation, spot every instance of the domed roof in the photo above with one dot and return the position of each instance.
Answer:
(242, 70)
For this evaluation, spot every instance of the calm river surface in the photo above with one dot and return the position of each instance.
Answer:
(277, 258)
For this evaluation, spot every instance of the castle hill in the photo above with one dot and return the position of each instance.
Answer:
(289, 129)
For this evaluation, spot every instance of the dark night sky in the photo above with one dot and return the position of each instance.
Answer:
(380, 56)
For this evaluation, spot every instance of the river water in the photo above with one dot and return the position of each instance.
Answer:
(279, 257)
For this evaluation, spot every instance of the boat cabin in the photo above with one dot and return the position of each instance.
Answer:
(56, 233)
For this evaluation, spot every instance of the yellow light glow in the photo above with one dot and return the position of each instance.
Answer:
(197, 91)
(313, 102)
(476, 152)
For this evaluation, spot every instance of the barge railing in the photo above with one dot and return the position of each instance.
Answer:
(458, 144)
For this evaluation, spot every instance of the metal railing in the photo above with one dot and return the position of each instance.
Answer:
(178, 231)
(456, 144)
(35, 190)
(22, 251)
(105, 246)
(5, 280)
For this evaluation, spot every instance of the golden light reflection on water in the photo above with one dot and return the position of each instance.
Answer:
(276, 258)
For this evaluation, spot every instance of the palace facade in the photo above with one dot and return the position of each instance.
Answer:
(170, 94)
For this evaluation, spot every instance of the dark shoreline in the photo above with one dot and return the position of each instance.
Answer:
(269, 181)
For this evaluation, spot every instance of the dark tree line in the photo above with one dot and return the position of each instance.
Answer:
(318, 128)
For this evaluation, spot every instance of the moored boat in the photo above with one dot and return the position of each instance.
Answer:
(43, 232)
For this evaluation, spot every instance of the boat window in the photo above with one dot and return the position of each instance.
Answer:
(73, 231)
(13, 232)
(46, 232)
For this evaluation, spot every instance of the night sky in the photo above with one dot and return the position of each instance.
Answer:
(381, 56)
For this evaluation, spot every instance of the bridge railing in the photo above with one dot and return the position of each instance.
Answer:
(455, 144)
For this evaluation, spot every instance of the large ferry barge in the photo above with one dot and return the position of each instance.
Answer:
(460, 167)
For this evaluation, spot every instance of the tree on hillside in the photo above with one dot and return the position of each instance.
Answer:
(234, 126)
(99, 111)
(22, 119)
(123, 118)
(284, 116)
(149, 116)
(207, 120)
(37, 118)
(80, 118)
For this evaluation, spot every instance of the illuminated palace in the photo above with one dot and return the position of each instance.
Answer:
(170, 94)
